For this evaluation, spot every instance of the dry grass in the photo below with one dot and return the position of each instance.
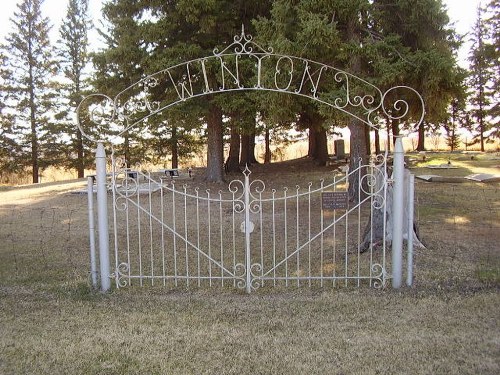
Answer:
(52, 323)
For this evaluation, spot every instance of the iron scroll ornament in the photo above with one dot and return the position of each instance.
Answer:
(270, 71)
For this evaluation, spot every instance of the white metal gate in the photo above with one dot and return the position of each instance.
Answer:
(286, 238)
(169, 233)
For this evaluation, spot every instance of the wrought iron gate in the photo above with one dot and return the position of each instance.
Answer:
(286, 237)
(166, 232)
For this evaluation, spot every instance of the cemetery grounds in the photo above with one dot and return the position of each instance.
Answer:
(51, 322)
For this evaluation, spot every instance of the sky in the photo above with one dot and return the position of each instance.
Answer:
(461, 12)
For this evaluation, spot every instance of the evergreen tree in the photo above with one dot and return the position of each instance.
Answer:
(493, 55)
(72, 50)
(9, 148)
(27, 75)
(423, 50)
(119, 65)
(480, 77)
(184, 30)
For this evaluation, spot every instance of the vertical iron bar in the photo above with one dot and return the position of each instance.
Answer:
(261, 237)
(139, 232)
(309, 234)
(346, 236)
(186, 235)
(360, 188)
(162, 207)
(209, 239)
(248, 259)
(334, 273)
(174, 233)
(198, 234)
(411, 200)
(297, 241)
(221, 235)
(150, 224)
(233, 217)
(286, 236)
(274, 238)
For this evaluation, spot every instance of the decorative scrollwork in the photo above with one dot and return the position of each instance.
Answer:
(243, 43)
(240, 272)
(257, 187)
(121, 275)
(256, 273)
(96, 109)
(380, 276)
(234, 188)
(399, 108)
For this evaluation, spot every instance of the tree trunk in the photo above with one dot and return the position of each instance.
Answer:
(321, 151)
(267, 154)
(374, 230)
(388, 136)
(126, 151)
(377, 142)
(215, 145)
(80, 166)
(34, 134)
(312, 142)
(395, 130)
(368, 140)
(233, 159)
(421, 137)
(245, 150)
(251, 148)
(175, 149)
(358, 156)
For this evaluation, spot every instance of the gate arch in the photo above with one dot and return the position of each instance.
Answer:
(246, 66)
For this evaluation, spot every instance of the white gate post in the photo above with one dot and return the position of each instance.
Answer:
(102, 217)
(90, 200)
(397, 214)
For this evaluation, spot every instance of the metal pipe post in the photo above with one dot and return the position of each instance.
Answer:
(397, 214)
(90, 200)
(102, 217)
(411, 202)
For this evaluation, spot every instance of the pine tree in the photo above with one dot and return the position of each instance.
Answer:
(27, 75)
(493, 56)
(9, 148)
(423, 48)
(184, 30)
(119, 65)
(73, 55)
(480, 77)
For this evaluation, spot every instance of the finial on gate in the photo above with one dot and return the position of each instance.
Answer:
(247, 171)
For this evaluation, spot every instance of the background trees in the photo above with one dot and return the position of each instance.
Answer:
(483, 79)
(388, 43)
(29, 92)
(73, 55)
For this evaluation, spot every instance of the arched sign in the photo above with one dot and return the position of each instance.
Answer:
(246, 66)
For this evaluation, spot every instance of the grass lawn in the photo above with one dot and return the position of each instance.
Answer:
(448, 323)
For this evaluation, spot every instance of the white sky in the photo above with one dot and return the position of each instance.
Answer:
(461, 12)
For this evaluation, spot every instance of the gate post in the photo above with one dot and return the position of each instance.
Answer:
(102, 217)
(397, 213)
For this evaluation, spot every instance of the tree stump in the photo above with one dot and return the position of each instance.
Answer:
(374, 230)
